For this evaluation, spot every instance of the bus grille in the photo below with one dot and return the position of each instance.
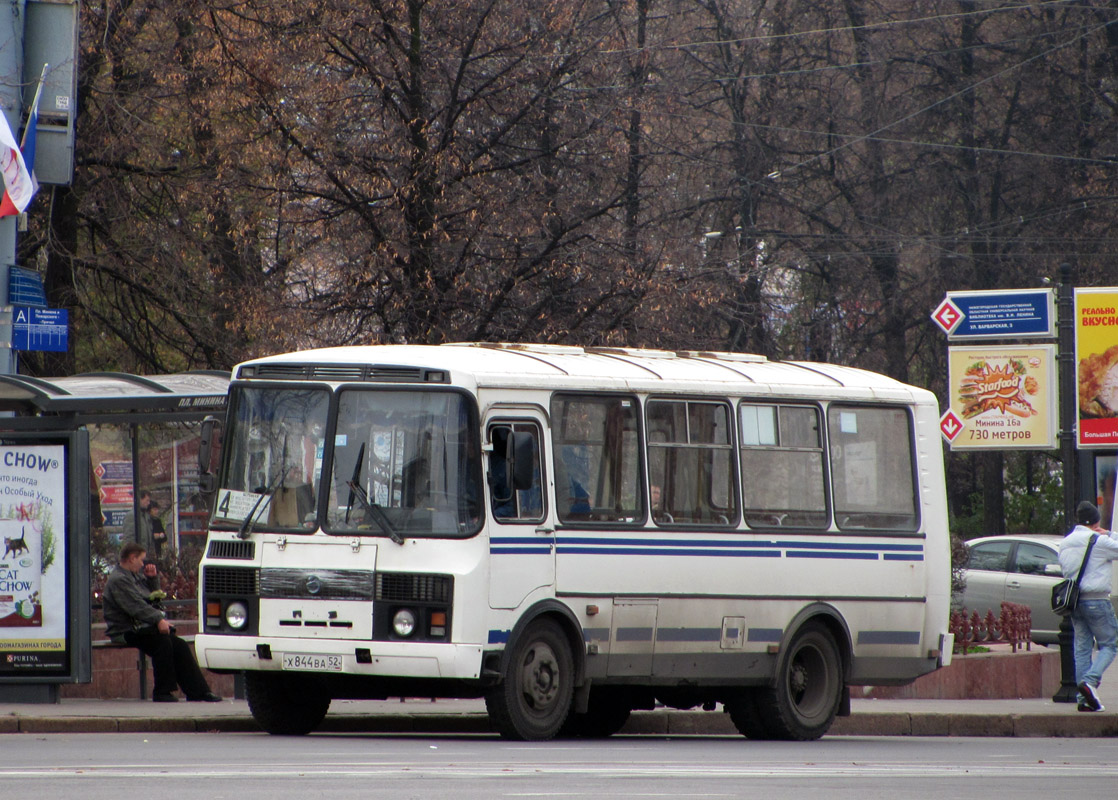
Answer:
(245, 551)
(231, 581)
(318, 584)
(403, 587)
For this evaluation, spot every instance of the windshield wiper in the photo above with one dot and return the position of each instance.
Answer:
(373, 510)
(250, 520)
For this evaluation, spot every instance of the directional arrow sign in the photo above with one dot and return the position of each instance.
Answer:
(947, 315)
(950, 425)
(116, 495)
(114, 470)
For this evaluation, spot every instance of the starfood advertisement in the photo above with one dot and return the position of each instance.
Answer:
(1096, 353)
(33, 599)
(1004, 396)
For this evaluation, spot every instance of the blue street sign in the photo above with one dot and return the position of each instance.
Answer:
(114, 518)
(1009, 314)
(25, 287)
(40, 329)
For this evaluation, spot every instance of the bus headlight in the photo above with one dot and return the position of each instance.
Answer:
(236, 615)
(403, 622)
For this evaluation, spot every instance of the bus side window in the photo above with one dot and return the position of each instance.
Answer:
(872, 468)
(690, 463)
(596, 441)
(782, 466)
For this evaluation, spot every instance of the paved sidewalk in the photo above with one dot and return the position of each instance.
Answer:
(1030, 717)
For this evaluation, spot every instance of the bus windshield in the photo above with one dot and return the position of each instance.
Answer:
(274, 458)
(405, 464)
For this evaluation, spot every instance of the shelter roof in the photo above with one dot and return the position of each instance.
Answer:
(110, 397)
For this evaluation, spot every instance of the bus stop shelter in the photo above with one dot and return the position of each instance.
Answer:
(121, 436)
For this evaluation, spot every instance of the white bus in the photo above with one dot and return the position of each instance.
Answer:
(572, 534)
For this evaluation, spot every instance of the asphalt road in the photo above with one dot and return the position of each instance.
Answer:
(338, 766)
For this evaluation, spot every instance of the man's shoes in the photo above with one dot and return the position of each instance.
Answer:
(1090, 697)
(1085, 707)
(208, 697)
(164, 698)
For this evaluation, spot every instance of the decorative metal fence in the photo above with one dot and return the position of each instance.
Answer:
(1014, 625)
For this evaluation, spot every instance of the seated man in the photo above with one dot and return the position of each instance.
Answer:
(132, 619)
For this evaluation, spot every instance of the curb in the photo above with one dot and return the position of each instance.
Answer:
(657, 723)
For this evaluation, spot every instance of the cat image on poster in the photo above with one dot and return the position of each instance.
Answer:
(15, 546)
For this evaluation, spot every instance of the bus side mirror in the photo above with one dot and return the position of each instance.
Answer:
(206, 481)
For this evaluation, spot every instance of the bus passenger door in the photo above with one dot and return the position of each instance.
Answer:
(521, 543)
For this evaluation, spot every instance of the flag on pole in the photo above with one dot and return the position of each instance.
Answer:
(17, 163)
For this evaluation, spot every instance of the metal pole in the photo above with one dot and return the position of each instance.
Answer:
(11, 105)
(1068, 394)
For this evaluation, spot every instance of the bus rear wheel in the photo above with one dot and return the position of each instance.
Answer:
(808, 688)
(283, 706)
(742, 708)
(533, 699)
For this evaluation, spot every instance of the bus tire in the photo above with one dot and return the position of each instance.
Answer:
(742, 708)
(282, 706)
(607, 712)
(532, 701)
(808, 688)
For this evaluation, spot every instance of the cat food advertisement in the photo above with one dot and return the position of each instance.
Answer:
(1096, 356)
(33, 619)
(1004, 396)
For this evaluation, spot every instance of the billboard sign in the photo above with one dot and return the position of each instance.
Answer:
(1003, 397)
(44, 557)
(1096, 354)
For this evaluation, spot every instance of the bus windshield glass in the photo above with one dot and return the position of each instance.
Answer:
(274, 459)
(405, 464)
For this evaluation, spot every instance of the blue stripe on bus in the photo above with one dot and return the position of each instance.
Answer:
(651, 551)
(888, 637)
(628, 541)
(851, 546)
(715, 634)
(595, 633)
(688, 634)
(597, 545)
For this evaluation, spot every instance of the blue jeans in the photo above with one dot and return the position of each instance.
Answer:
(1094, 624)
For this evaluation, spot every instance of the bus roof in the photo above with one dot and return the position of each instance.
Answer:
(566, 367)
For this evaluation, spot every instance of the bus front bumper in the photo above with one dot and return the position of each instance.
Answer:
(224, 653)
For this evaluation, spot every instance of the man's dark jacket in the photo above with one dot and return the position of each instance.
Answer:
(126, 605)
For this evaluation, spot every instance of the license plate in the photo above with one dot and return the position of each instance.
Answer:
(312, 662)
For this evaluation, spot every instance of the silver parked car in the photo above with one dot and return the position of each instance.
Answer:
(1019, 568)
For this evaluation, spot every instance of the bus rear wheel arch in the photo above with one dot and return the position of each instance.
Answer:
(808, 689)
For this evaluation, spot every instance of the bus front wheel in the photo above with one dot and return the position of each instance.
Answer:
(608, 711)
(283, 706)
(803, 703)
(533, 699)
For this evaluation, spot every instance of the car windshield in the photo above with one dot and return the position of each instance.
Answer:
(274, 449)
(405, 464)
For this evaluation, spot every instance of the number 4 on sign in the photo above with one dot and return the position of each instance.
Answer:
(950, 426)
